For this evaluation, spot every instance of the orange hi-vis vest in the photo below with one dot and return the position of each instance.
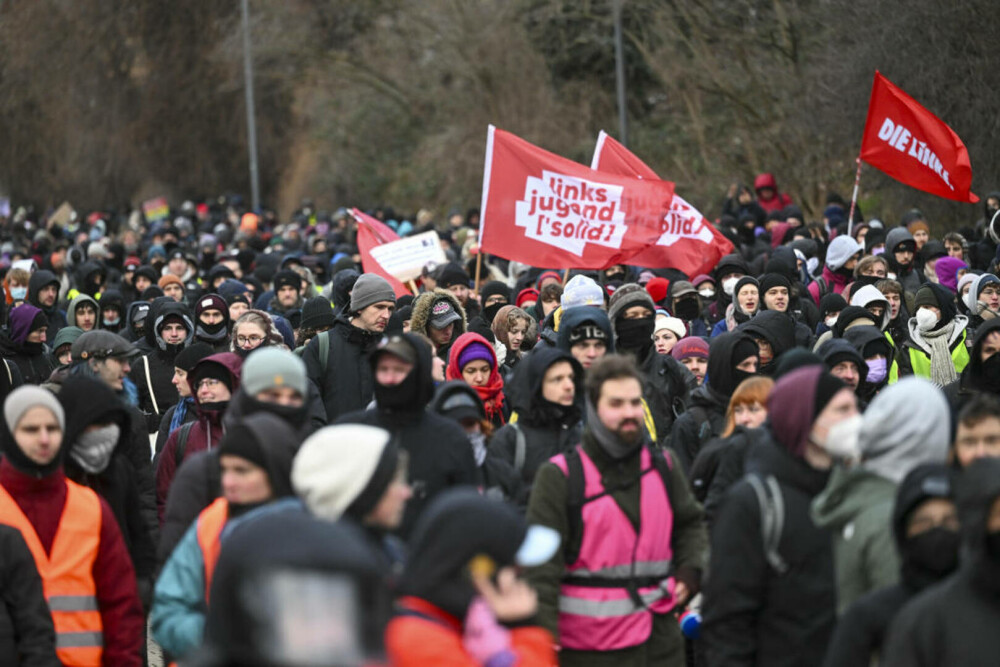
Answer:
(211, 521)
(67, 573)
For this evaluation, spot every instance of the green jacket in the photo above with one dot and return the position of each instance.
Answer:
(856, 507)
(548, 506)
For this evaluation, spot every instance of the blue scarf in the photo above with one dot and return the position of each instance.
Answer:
(180, 412)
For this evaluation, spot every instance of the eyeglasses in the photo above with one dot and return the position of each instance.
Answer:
(248, 340)
(208, 383)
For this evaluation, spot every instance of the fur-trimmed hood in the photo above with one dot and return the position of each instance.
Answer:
(423, 304)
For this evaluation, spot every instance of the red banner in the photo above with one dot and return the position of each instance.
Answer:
(544, 210)
(688, 241)
(909, 143)
(371, 233)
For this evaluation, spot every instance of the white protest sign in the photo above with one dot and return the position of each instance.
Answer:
(403, 259)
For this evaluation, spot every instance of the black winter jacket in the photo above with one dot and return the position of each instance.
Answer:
(665, 387)
(752, 614)
(27, 636)
(346, 383)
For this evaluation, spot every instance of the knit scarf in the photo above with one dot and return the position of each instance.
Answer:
(180, 412)
(492, 396)
(735, 316)
(942, 368)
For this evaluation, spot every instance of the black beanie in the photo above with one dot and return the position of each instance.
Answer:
(826, 388)
(743, 350)
(240, 441)
(385, 470)
(287, 278)
(831, 303)
(769, 280)
(191, 355)
(317, 312)
(215, 371)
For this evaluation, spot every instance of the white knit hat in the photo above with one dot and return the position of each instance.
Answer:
(335, 465)
(671, 324)
(29, 396)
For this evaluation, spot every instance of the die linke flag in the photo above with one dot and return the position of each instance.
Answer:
(909, 143)
(544, 210)
(371, 233)
(687, 240)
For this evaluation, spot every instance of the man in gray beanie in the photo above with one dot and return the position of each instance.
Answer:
(337, 359)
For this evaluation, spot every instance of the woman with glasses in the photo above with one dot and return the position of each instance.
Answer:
(254, 329)
(213, 381)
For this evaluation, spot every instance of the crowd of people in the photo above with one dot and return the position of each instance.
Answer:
(223, 438)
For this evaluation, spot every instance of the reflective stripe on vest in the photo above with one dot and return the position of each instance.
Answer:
(616, 568)
(920, 361)
(893, 364)
(211, 521)
(67, 572)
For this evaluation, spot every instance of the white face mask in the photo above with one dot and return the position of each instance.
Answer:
(926, 319)
(842, 439)
(707, 293)
(830, 321)
(729, 284)
(93, 449)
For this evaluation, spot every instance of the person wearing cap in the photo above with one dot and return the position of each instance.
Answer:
(73, 536)
(169, 329)
(692, 352)
(666, 332)
(23, 344)
(686, 305)
(586, 334)
(255, 458)
(211, 322)
(589, 590)
(439, 452)
(317, 317)
(43, 293)
(774, 602)
(212, 382)
(666, 383)
(889, 441)
(460, 599)
(337, 359)
(183, 411)
(841, 257)
(926, 533)
(527, 298)
(511, 326)
(732, 358)
(82, 312)
(936, 348)
(440, 316)
(953, 623)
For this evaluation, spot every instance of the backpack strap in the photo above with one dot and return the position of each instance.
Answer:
(772, 518)
(324, 349)
(520, 447)
(575, 501)
(149, 384)
(182, 441)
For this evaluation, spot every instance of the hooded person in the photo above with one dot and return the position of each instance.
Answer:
(774, 333)
(97, 433)
(510, 328)
(287, 299)
(732, 358)
(925, 529)
(169, 330)
(473, 360)
(83, 312)
(775, 292)
(726, 273)
(841, 257)
(830, 307)
(43, 293)
(900, 251)
(871, 299)
(772, 601)
(666, 383)
(844, 361)
(48, 509)
(341, 287)
(256, 458)
(439, 316)
(493, 295)
(135, 323)
(549, 420)
(768, 196)
(448, 609)
(211, 322)
(24, 344)
(317, 317)
(946, 269)
(879, 357)
(745, 304)
(936, 349)
(982, 373)
(212, 381)
(112, 315)
(63, 343)
(439, 452)
(954, 623)
(983, 300)
(585, 332)
(890, 440)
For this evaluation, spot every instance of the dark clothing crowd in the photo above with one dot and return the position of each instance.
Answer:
(226, 442)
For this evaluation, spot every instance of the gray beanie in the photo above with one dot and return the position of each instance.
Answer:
(272, 367)
(29, 396)
(370, 288)
(626, 296)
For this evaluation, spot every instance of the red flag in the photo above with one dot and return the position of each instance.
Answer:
(688, 242)
(371, 233)
(544, 210)
(909, 143)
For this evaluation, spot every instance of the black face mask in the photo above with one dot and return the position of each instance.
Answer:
(211, 332)
(739, 375)
(400, 397)
(934, 551)
(687, 308)
(635, 335)
(988, 376)
(489, 312)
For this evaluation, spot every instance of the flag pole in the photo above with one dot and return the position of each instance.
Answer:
(413, 287)
(565, 277)
(854, 197)
(479, 266)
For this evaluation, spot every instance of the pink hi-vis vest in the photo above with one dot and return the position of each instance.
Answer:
(597, 612)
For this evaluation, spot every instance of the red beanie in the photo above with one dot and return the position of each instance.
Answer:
(658, 288)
